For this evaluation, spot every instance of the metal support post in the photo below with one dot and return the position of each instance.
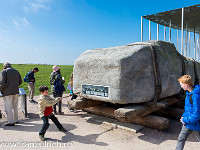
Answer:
(177, 40)
(182, 19)
(141, 29)
(157, 31)
(149, 30)
(164, 33)
(170, 26)
(189, 44)
(199, 46)
(186, 39)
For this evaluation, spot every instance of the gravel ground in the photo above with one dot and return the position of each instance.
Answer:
(85, 134)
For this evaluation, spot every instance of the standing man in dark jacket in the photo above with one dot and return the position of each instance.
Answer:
(10, 80)
(31, 84)
(191, 117)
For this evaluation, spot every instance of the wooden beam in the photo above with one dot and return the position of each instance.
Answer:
(149, 120)
(130, 113)
(83, 103)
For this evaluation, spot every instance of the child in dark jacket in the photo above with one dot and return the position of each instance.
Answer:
(191, 117)
(46, 111)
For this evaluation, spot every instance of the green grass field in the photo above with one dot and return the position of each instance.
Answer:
(43, 76)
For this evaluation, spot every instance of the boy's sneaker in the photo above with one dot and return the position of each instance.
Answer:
(41, 136)
(63, 130)
(10, 124)
(71, 109)
(33, 101)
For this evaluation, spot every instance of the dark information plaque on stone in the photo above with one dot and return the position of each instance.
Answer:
(96, 90)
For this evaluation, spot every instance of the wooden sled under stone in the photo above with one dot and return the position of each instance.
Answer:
(136, 113)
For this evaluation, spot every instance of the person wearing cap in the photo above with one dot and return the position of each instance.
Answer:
(53, 77)
(10, 80)
(31, 84)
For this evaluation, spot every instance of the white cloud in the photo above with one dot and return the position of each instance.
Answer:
(16, 22)
(37, 6)
(21, 22)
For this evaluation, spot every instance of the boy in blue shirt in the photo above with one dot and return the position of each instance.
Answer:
(191, 117)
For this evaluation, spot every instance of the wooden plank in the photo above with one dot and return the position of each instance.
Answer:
(83, 103)
(130, 113)
(149, 120)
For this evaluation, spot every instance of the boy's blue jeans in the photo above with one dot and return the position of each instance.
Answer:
(46, 123)
(185, 132)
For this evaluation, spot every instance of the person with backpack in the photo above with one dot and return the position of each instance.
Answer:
(10, 80)
(30, 79)
(57, 87)
(191, 117)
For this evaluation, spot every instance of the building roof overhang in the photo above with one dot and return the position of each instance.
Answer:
(191, 16)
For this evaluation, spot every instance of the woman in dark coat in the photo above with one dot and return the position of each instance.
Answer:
(54, 75)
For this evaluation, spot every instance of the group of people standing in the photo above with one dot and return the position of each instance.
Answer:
(55, 75)
(10, 80)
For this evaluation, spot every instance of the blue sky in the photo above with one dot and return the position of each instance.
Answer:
(58, 31)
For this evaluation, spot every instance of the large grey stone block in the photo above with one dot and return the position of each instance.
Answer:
(128, 72)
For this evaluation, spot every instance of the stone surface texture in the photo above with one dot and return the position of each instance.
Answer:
(128, 71)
